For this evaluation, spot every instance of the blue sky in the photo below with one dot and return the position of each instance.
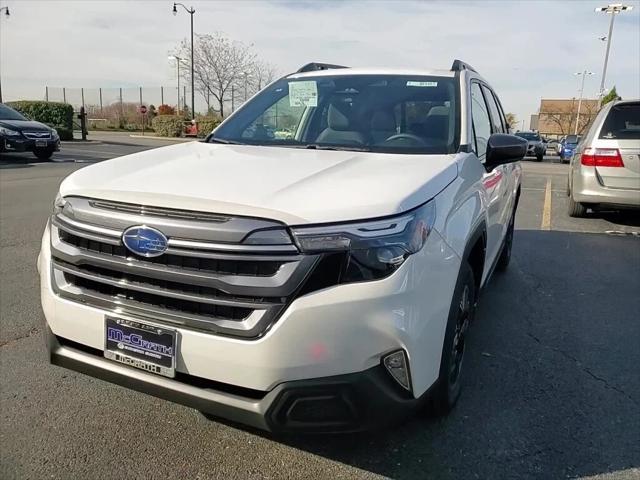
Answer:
(526, 49)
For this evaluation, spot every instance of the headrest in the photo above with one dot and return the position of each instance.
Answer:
(439, 110)
(337, 118)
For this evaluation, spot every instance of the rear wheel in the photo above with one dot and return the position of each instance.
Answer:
(43, 153)
(576, 209)
(448, 386)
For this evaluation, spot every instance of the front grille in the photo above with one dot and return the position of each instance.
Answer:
(245, 266)
(37, 135)
(202, 282)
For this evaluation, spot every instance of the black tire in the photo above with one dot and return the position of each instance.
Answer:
(576, 209)
(449, 384)
(43, 153)
(539, 157)
(505, 255)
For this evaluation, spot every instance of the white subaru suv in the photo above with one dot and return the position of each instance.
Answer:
(313, 265)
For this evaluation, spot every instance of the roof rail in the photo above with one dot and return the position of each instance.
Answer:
(459, 65)
(315, 66)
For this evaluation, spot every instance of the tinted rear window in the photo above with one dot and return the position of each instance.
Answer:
(572, 139)
(623, 122)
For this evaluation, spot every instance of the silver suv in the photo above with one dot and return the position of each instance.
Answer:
(605, 170)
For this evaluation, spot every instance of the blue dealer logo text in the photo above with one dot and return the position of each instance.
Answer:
(145, 241)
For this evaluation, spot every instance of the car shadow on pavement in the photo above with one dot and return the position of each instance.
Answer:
(551, 382)
(630, 218)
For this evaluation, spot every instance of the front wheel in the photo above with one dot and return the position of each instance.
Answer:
(539, 157)
(43, 153)
(449, 384)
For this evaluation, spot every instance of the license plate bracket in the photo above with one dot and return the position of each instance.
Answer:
(141, 345)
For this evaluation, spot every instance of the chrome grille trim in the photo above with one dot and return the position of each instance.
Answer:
(39, 135)
(200, 282)
(146, 288)
(119, 305)
(158, 211)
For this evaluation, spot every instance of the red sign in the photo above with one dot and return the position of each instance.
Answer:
(142, 109)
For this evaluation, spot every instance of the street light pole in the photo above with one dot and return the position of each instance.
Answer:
(190, 11)
(6, 14)
(613, 9)
(584, 74)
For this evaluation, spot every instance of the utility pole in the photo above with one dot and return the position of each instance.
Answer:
(7, 15)
(584, 74)
(613, 9)
(190, 11)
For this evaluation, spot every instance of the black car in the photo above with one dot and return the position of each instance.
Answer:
(18, 134)
(535, 145)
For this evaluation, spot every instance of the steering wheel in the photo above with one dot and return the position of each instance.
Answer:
(406, 136)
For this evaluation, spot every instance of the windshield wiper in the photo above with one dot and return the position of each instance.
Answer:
(348, 148)
(224, 140)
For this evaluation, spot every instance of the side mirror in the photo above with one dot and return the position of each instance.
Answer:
(504, 148)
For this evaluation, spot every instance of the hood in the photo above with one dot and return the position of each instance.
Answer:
(294, 186)
(27, 125)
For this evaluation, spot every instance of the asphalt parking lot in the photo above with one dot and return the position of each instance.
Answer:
(552, 383)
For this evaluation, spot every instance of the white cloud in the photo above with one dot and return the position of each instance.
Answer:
(526, 49)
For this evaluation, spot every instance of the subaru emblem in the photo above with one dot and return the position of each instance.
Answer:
(145, 241)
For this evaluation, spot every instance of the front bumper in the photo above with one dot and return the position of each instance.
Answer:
(587, 188)
(21, 144)
(323, 337)
(345, 403)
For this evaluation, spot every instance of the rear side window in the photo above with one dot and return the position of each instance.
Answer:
(481, 121)
(623, 122)
(496, 121)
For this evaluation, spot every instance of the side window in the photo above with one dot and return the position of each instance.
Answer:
(496, 121)
(481, 121)
(502, 115)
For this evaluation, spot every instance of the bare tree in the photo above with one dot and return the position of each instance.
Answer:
(512, 120)
(261, 74)
(219, 63)
(563, 117)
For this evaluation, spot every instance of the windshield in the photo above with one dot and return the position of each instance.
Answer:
(379, 113)
(572, 139)
(528, 135)
(7, 113)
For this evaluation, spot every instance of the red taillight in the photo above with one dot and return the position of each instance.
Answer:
(601, 157)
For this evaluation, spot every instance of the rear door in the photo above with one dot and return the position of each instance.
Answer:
(493, 181)
(621, 131)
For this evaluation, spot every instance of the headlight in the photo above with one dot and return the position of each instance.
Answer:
(8, 132)
(54, 133)
(373, 249)
(58, 204)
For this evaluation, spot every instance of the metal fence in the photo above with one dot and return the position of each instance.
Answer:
(99, 98)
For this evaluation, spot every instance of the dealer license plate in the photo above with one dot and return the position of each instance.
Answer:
(141, 345)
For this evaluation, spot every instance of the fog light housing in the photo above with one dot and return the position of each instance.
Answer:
(398, 367)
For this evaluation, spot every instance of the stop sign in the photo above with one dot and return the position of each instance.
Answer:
(143, 109)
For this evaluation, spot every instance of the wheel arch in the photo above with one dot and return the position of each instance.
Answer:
(475, 253)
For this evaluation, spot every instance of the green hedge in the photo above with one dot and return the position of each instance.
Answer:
(55, 114)
(206, 126)
(168, 125)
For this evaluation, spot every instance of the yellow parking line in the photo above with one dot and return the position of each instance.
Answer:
(546, 210)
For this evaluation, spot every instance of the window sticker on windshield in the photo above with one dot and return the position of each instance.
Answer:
(421, 84)
(303, 94)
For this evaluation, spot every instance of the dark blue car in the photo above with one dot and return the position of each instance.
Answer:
(568, 146)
